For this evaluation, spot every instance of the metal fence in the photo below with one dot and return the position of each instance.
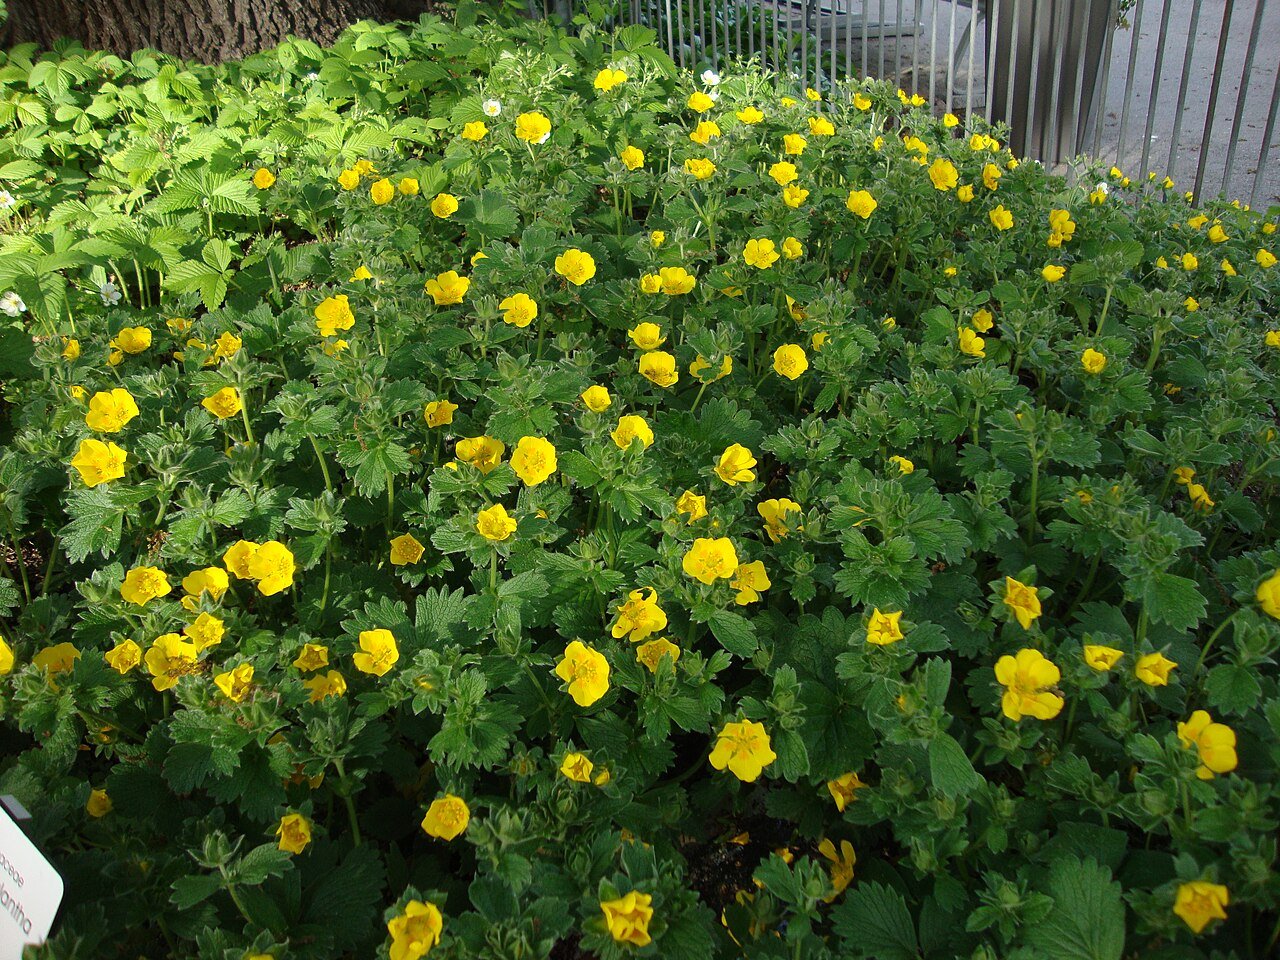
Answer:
(1187, 88)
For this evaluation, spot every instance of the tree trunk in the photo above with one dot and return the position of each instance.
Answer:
(204, 30)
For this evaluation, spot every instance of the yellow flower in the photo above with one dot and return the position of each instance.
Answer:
(533, 127)
(99, 462)
(144, 584)
(235, 683)
(99, 804)
(789, 361)
(750, 580)
(884, 628)
(238, 557)
(700, 365)
(1199, 902)
(596, 398)
(1001, 218)
(484, 453)
(263, 178)
(294, 832)
(437, 413)
(408, 186)
(971, 344)
(1027, 679)
(577, 767)
(904, 465)
(821, 127)
(965, 193)
(448, 288)
(1093, 361)
(651, 283)
(844, 789)
(651, 653)
(416, 931)
(632, 427)
(447, 817)
(735, 465)
(364, 167)
(313, 656)
(1022, 600)
(475, 131)
(494, 524)
(676, 281)
(982, 320)
(1191, 304)
(744, 748)
(1153, 669)
(792, 248)
(657, 238)
(700, 168)
(1268, 595)
(761, 254)
(783, 173)
(378, 652)
(576, 266)
(223, 404)
(1101, 658)
(632, 157)
(348, 179)
(7, 657)
(705, 132)
(59, 658)
(1189, 261)
(812, 94)
(1215, 742)
(331, 684)
(406, 550)
(627, 918)
(647, 335)
(205, 632)
(382, 191)
(123, 657)
(1265, 258)
(533, 460)
(943, 174)
(693, 505)
(710, 560)
(639, 616)
(70, 348)
(793, 196)
(444, 206)
(521, 309)
(170, 658)
(225, 347)
(132, 340)
(841, 865)
(659, 367)
(991, 175)
(334, 314)
(272, 566)
(861, 203)
(699, 102)
(774, 514)
(109, 411)
(586, 671)
(607, 79)
(749, 115)
(1052, 272)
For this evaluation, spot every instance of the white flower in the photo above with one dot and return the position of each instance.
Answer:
(6, 200)
(313, 75)
(12, 304)
(492, 108)
(1103, 189)
(109, 293)
(714, 95)
(710, 78)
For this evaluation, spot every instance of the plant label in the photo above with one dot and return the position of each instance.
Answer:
(30, 889)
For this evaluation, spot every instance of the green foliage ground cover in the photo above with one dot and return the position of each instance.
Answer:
(913, 594)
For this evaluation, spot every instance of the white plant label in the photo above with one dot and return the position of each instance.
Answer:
(30, 891)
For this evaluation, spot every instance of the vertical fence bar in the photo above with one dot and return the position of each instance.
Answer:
(1214, 88)
(680, 29)
(915, 46)
(1136, 31)
(1028, 129)
(973, 44)
(737, 28)
(1182, 87)
(1077, 93)
(804, 41)
(989, 80)
(760, 13)
(951, 55)
(834, 16)
(1241, 94)
(1265, 153)
(933, 50)
(671, 44)
(1016, 24)
(866, 42)
(880, 45)
(1052, 138)
(702, 34)
(1099, 98)
(848, 39)
(1154, 93)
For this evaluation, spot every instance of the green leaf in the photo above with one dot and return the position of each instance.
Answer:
(874, 922)
(735, 633)
(1173, 600)
(1087, 920)
(950, 768)
(1232, 688)
(189, 891)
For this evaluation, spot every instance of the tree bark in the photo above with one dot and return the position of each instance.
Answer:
(206, 30)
